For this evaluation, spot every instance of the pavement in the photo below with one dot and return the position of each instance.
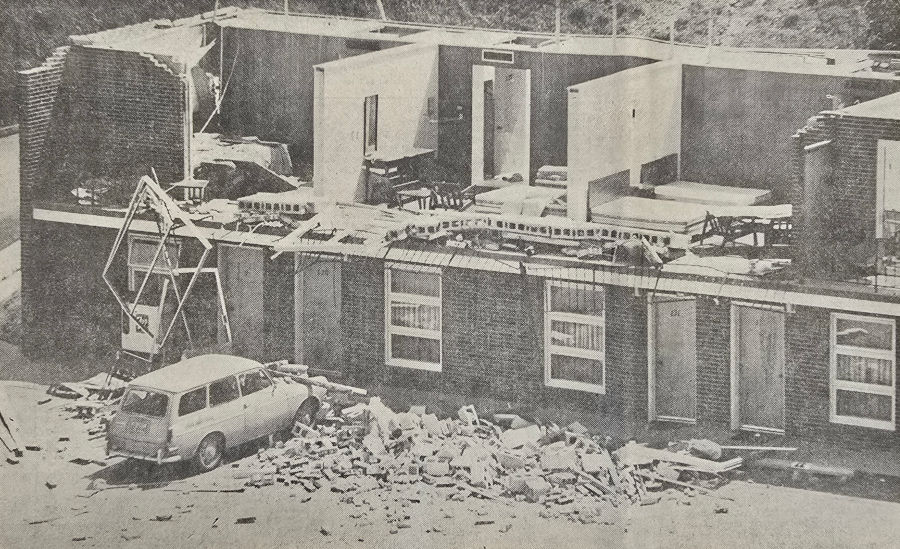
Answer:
(66, 493)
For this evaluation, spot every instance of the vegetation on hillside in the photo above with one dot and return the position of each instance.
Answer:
(30, 29)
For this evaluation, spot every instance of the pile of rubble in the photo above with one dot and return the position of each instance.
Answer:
(368, 448)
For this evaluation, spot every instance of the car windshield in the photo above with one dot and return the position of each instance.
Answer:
(145, 402)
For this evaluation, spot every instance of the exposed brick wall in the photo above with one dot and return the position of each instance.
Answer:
(37, 91)
(807, 383)
(124, 114)
(75, 314)
(857, 141)
(279, 307)
(493, 338)
(713, 362)
(845, 235)
(362, 308)
(812, 229)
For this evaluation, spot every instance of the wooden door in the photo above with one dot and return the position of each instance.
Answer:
(318, 312)
(673, 356)
(757, 369)
(242, 270)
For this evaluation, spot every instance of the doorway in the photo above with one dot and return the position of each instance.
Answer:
(501, 123)
(757, 368)
(672, 359)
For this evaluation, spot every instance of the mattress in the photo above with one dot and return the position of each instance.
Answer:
(704, 193)
(516, 199)
(649, 214)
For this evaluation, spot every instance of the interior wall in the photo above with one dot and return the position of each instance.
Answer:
(403, 78)
(270, 89)
(621, 122)
(551, 74)
(737, 124)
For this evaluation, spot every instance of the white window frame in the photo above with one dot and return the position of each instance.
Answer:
(551, 349)
(390, 329)
(869, 388)
(137, 271)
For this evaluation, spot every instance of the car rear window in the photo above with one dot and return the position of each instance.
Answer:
(222, 391)
(145, 402)
(254, 381)
(192, 401)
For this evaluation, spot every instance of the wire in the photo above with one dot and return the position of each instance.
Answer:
(224, 89)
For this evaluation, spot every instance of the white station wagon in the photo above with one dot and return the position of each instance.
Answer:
(199, 407)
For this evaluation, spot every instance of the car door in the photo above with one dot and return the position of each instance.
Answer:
(261, 403)
(226, 412)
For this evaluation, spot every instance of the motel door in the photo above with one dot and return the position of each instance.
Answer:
(673, 359)
(757, 376)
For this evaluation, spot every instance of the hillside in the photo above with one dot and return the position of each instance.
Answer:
(29, 29)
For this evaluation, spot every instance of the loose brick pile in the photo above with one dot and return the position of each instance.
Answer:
(372, 455)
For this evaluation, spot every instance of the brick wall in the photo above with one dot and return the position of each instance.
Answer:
(124, 114)
(807, 383)
(75, 313)
(845, 234)
(857, 141)
(493, 339)
(713, 362)
(279, 307)
(37, 90)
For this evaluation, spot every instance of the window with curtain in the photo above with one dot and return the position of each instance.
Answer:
(863, 366)
(413, 317)
(574, 336)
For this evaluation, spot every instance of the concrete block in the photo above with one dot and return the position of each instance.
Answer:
(535, 488)
(436, 468)
(559, 460)
(432, 425)
(510, 461)
(516, 438)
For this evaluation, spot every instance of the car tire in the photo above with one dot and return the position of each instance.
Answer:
(210, 453)
(306, 413)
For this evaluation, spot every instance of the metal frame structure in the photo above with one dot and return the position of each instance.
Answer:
(150, 196)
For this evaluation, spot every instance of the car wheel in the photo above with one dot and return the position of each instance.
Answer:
(210, 453)
(306, 413)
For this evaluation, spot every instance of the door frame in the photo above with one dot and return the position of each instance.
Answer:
(481, 73)
(651, 359)
(736, 424)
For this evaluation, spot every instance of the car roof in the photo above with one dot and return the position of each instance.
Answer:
(193, 372)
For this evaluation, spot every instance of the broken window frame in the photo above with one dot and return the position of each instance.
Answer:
(137, 270)
(554, 349)
(402, 298)
(836, 384)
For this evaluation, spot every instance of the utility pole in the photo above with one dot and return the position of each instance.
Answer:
(615, 21)
(558, 29)
(381, 10)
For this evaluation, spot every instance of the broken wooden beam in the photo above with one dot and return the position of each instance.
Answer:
(813, 468)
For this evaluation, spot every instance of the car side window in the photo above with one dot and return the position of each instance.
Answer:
(192, 401)
(222, 391)
(254, 381)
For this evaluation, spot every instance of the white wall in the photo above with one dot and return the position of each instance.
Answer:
(619, 122)
(403, 78)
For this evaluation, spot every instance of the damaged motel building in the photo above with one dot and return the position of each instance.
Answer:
(614, 227)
